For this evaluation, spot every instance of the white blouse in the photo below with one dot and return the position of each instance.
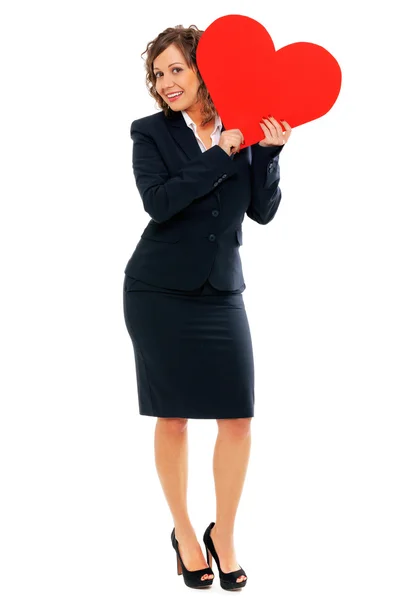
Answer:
(215, 136)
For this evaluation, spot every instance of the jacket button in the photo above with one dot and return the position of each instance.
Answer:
(211, 237)
(215, 213)
(223, 176)
(216, 183)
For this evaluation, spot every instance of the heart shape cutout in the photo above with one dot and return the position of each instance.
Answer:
(248, 79)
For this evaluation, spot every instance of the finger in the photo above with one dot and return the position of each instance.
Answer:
(242, 136)
(286, 125)
(274, 122)
(235, 144)
(287, 132)
(238, 135)
(270, 126)
(276, 132)
(280, 131)
(277, 139)
(277, 129)
(266, 131)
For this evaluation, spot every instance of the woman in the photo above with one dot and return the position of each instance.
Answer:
(183, 287)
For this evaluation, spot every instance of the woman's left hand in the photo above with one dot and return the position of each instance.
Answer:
(274, 136)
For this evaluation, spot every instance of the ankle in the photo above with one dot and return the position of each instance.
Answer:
(223, 533)
(184, 531)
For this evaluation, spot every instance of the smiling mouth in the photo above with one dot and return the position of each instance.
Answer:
(172, 98)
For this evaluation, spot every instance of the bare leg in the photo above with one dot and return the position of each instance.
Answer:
(171, 456)
(231, 457)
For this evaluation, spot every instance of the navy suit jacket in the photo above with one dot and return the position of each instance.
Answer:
(197, 202)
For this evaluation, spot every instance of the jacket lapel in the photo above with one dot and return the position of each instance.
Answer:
(183, 135)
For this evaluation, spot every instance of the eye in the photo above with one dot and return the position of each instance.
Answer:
(174, 69)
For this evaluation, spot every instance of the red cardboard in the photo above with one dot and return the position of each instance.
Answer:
(248, 79)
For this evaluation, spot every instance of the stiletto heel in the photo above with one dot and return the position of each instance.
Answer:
(179, 565)
(227, 580)
(191, 578)
(209, 557)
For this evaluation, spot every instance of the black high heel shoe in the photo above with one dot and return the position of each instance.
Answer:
(227, 580)
(191, 578)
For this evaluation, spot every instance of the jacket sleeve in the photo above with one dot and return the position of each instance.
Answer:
(265, 175)
(164, 196)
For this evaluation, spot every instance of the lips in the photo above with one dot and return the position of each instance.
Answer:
(175, 97)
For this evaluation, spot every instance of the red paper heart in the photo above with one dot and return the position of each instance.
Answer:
(247, 79)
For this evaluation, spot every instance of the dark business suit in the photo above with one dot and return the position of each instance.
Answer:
(196, 201)
(183, 304)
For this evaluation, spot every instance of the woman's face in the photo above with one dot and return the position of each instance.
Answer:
(173, 74)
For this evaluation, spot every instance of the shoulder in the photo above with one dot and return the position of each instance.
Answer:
(148, 124)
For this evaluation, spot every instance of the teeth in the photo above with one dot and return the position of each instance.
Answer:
(173, 95)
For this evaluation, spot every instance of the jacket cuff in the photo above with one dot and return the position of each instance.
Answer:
(219, 159)
(267, 152)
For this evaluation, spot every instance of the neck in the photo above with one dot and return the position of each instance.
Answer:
(196, 116)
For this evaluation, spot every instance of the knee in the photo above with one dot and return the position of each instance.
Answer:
(172, 424)
(238, 428)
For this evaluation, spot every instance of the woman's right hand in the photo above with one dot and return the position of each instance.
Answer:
(231, 140)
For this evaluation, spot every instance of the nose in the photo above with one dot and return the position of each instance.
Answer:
(168, 83)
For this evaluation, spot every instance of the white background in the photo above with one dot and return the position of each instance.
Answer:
(82, 511)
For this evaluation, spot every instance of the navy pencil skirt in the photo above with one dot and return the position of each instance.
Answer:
(192, 349)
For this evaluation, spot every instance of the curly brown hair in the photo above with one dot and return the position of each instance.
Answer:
(186, 39)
